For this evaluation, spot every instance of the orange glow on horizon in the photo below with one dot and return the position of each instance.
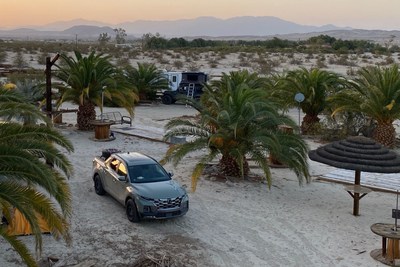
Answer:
(367, 14)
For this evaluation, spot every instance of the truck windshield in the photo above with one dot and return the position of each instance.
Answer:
(147, 173)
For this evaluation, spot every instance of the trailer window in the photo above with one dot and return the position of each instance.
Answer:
(174, 79)
(192, 77)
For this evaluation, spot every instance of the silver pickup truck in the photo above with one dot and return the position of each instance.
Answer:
(139, 183)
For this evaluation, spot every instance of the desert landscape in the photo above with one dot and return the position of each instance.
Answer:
(229, 223)
(338, 62)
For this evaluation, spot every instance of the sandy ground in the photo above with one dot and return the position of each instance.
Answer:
(228, 224)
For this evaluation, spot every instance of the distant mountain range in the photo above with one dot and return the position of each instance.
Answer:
(205, 27)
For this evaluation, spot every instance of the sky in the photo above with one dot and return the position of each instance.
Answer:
(364, 14)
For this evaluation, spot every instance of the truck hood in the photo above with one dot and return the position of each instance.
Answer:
(165, 189)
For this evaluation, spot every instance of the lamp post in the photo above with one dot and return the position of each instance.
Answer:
(102, 103)
(299, 97)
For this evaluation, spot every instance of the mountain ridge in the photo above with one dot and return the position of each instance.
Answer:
(243, 27)
(201, 26)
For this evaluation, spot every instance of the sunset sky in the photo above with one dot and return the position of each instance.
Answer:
(366, 14)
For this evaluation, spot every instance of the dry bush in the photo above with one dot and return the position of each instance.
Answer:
(177, 64)
(296, 61)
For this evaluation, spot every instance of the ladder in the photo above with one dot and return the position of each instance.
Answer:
(190, 90)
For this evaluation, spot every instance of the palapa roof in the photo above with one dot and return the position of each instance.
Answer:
(358, 153)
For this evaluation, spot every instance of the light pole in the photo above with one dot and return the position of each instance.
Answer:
(299, 97)
(102, 103)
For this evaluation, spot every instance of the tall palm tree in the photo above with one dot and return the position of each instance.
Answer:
(236, 126)
(89, 79)
(375, 93)
(316, 85)
(147, 79)
(27, 180)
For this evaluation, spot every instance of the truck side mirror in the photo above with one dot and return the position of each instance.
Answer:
(171, 173)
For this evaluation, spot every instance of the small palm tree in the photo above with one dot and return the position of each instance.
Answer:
(316, 85)
(147, 79)
(27, 180)
(375, 93)
(18, 104)
(235, 126)
(87, 80)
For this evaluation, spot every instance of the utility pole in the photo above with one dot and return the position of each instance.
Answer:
(49, 64)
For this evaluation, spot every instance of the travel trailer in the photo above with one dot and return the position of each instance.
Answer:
(189, 84)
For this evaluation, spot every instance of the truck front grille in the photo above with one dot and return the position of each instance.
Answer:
(167, 203)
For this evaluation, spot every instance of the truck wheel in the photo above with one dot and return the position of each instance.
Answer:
(131, 211)
(98, 186)
(167, 99)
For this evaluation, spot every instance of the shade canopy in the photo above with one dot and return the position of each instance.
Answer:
(358, 153)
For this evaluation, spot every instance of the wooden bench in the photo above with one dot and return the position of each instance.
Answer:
(57, 114)
(116, 117)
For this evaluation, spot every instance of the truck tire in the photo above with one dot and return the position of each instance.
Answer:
(167, 99)
(98, 186)
(131, 211)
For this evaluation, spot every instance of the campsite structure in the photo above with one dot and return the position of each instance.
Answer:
(358, 153)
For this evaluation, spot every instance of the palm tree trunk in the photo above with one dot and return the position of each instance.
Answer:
(86, 113)
(230, 167)
(385, 134)
(308, 123)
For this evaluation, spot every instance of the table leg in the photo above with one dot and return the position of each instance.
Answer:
(383, 246)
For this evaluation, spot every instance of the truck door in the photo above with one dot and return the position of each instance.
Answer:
(120, 187)
(111, 167)
(174, 82)
(112, 183)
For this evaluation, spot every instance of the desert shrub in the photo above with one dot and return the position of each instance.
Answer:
(178, 64)
(320, 64)
(123, 62)
(41, 58)
(213, 63)
(19, 61)
(193, 67)
(346, 124)
(351, 72)
(3, 56)
(296, 61)
(309, 56)
(162, 60)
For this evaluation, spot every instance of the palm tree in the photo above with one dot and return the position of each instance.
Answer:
(18, 104)
(89, 79)
(235, 126)
(147, 79)
(27, 181)
(375, 93)
(316, 85)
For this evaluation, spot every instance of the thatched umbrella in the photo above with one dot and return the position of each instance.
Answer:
(360, 154)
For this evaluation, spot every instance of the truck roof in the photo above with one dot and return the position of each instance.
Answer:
(136, 158)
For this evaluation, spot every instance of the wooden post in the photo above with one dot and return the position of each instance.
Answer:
(49, 64)
(356, 206)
